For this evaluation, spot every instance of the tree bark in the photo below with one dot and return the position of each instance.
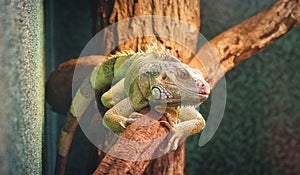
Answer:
(246, 39)
(185, 11)
(231, 47)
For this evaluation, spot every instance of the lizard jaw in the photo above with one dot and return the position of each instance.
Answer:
(161, 95)
(203, 92)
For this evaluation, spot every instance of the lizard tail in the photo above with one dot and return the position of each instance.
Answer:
(65, 141)
(100, 77)
(81, 100)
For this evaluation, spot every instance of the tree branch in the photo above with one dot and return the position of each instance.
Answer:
(129, 152)
(246, 39)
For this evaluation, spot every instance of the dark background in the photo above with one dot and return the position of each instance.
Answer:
(259, 133)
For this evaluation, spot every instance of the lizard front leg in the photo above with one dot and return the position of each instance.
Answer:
(116, 118)
(190, 122)
(114, 95)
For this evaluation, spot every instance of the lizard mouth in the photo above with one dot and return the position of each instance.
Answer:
(203, 95)
(204, 92)
(201, 92)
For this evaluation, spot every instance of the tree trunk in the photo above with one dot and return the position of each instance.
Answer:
(110, 12)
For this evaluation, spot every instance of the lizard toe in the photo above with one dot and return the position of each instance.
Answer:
(135, 115)
(130, 120)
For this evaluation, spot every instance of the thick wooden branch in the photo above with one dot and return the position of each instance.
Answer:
(246, 39)
(136, 149)
(142, 141)
(188, 12)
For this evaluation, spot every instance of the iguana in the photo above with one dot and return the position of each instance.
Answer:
(143, 79)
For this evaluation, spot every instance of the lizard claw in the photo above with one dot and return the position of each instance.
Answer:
(133, 117)
(166, 124)
(174, 141)
(171, 120)
(130, 120)
(122, 125)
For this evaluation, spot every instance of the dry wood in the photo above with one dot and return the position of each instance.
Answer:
(247, 38)
(149, 134)
(187, 12)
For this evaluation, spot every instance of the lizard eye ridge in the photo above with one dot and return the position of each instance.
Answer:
(155, 93)
(183, 74)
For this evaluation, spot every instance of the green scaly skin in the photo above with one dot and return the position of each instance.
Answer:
(164, 83)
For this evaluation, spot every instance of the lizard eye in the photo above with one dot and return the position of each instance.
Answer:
(183, 74)
(155, 92)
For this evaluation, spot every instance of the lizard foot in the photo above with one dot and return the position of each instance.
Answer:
(170, 123)
(133, 117)
(174, 140)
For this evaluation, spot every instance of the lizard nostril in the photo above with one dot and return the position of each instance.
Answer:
(204, 88)
(200, 84)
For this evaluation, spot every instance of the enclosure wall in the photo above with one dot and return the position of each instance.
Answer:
(21, 86)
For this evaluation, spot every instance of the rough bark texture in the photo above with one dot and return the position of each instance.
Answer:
(231, 47)
(169, 164)
(149, 134)
(145, 131)
(247, 38)
(184, 11)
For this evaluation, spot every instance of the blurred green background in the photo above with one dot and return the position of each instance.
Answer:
(259, 133)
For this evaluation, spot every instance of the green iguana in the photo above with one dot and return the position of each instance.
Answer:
(143, 79)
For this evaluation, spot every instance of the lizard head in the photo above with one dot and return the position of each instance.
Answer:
(162, 79)
(177, 85)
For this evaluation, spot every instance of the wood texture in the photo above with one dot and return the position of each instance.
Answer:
(246, 39)
(140, 144)
(151, 136)
(185, 11)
